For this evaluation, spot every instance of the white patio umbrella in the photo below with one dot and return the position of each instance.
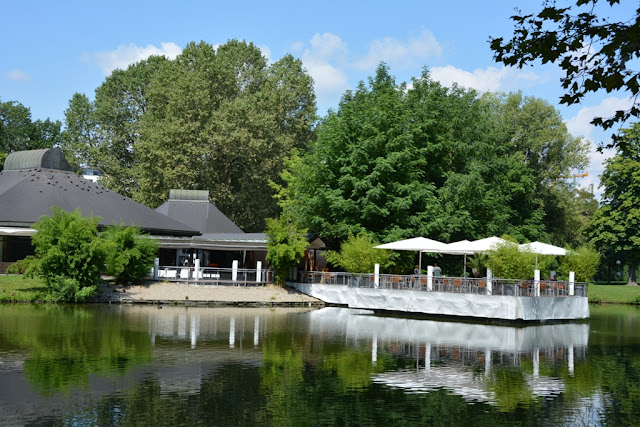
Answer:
(459, 248)
(465, 247)
(540, 248)
(420, 244)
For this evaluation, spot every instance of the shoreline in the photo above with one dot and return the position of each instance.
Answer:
(168, 293)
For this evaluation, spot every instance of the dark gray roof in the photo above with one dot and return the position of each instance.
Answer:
(194, 209)
(27, 194)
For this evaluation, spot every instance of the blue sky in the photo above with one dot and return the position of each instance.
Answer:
(53, 49)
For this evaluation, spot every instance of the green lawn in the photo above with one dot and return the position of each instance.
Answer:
(19, 289)
(619, 294)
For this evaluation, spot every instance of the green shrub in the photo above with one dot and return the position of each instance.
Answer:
(584, 261)
(129, 255)
(508, 262)
(358, 255)
(67, 245)
(24, 266)
(65, 289)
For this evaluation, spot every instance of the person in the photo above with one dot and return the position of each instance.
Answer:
(416, 270)
(437, 271)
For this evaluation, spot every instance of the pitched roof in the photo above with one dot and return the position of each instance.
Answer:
(27, 194)
(192, 207)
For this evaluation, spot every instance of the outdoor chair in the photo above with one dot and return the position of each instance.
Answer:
(482, 287)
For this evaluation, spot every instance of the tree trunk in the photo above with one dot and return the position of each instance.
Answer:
(632, 274)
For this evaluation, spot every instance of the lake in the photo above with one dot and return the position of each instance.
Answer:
(143, 365)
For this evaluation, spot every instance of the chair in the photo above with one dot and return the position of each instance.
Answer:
(395, 281)
(457, 284)
(423, 283)
(482, 287)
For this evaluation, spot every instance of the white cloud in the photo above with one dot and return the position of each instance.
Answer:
(400, 54)
(18, 76)
(489, 79)
(323, 61)
(580, 125)
(123, 56)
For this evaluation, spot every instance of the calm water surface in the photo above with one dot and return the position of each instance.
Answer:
(140, 365)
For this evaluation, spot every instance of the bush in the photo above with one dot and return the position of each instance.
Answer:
(584, 261)
(24, 266)
(508, 262)
(129, 255)
(358, 255)
(67, 245)
(65, 289)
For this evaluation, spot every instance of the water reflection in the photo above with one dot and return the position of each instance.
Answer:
(142, 365)
(476, 361)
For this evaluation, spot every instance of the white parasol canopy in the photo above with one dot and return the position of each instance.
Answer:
(540, 248)
(420, 244)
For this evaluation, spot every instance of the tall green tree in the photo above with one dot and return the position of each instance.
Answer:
(400, 161)
(220, 119)
(616, 226)
(594, 52)
(19, 132)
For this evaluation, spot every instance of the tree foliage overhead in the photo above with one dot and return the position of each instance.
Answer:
(424, 160)
(219, 119)
(594, 52)
(616, 226)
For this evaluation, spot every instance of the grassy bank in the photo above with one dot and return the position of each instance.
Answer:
(19, 289)
(617, 294)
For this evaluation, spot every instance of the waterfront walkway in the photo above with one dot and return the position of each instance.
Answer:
(168, 293)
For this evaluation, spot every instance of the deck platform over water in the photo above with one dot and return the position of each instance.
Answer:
(484, 299)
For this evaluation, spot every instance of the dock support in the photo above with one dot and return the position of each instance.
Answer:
(376, 275)
(258, 271)
(536, 282)
(572, 286)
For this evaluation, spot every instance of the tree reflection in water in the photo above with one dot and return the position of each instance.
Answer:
(203, 366)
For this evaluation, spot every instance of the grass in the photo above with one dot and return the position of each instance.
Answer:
(617, 294)
(20, 289)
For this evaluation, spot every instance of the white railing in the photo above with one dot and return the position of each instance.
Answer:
(493, 286)
(214, 275)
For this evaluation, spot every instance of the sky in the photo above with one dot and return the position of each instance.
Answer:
(52, 50)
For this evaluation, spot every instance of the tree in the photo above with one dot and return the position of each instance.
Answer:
(18, 132)
(129, 254)
(220, 119)
(616, 224)
(396, 161)
(286, 244)
(593, 51)
(358, 255)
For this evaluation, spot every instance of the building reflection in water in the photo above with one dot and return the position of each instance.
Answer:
(461, 358)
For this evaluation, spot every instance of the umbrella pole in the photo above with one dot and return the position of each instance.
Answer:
(419, 262)
(536, 261)
(464, 273)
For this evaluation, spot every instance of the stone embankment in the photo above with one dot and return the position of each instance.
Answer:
(179, 293)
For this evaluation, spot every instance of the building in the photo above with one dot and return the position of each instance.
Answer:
(220, 241)
(188, 225)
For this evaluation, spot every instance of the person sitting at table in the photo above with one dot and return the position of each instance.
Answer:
(437, 271)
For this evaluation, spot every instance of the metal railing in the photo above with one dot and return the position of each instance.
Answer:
(548, 288)
(214, 275)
